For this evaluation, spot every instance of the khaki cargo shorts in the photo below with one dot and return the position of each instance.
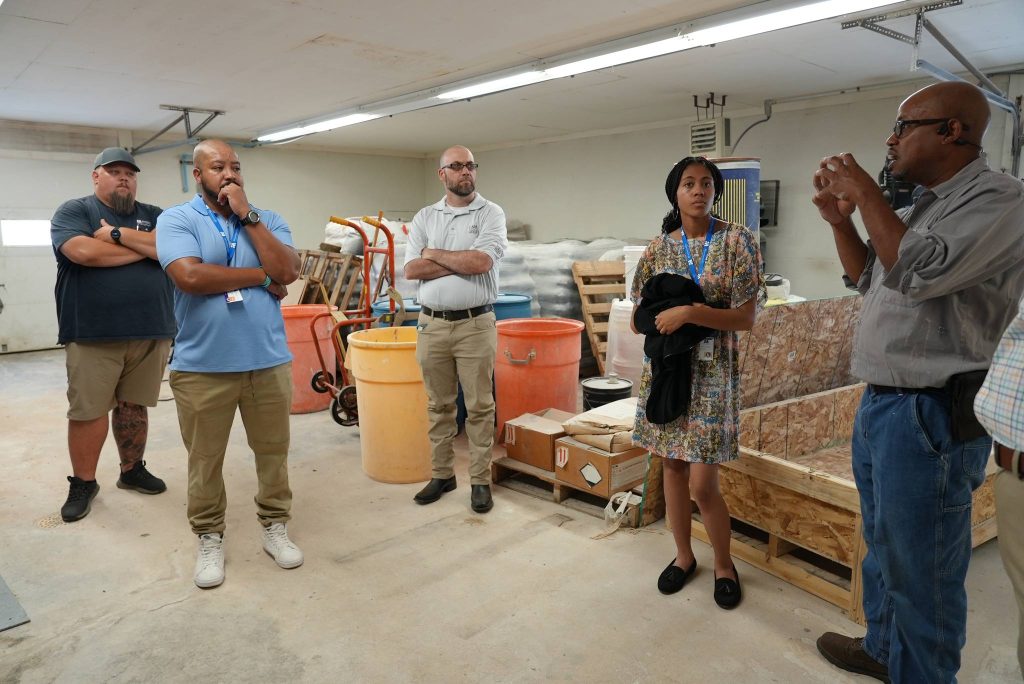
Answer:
(102, 373)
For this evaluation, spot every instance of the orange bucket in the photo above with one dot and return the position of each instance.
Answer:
(305, 362)
(537, 366)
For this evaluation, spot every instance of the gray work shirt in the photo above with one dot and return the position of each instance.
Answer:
(479, 226)
(954, 287)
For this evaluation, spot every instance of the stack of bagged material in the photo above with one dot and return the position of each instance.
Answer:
(608, 427)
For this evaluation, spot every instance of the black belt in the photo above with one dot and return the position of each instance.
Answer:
(459, 314)
(885, 389)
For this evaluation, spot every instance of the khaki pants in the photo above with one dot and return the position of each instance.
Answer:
(206, 408)
(451, 353)
(1010, 518)
(100, 374)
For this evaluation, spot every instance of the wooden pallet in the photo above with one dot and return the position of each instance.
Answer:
(598, 283)
(339, 274)
(542, 484)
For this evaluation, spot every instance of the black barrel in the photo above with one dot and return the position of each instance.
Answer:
(604, 390)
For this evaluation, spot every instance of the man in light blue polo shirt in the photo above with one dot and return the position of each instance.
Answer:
(454, 249)
(230, 263)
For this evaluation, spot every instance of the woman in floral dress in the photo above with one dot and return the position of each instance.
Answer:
(723, 258)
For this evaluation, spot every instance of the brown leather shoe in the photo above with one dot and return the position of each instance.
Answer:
(847, 653)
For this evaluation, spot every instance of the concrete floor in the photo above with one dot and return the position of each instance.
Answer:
(390, 591)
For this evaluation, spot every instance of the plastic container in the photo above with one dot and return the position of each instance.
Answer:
(512, 306)
(412, 309)
(740, 203)
(305, 362)
(604, 390)
(537, 366)
(392, 404)
(631, 257)
(625, 353)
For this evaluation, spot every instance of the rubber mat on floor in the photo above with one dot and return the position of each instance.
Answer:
(11, 612)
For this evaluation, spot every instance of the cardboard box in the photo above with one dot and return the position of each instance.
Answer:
(530, 438)
(599, 472)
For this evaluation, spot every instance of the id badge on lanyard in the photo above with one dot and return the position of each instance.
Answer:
(229, 247)
(706, 348)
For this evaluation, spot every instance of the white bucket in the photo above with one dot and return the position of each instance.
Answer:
(631, 257)
(625, 354)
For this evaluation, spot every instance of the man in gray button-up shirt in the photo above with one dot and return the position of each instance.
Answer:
(454, 249)
(940, 282)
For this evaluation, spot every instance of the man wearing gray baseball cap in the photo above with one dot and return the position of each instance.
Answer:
(116, 319)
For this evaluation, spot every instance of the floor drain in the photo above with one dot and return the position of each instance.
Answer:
(50, 521)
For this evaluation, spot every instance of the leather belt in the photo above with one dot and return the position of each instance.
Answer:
(1006, 457)
(885, 389)
(459, 314)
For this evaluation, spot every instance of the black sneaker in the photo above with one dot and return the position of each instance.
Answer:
(80, 496)
(141, 480)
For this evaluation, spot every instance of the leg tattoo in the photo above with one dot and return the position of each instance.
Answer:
(130, 424)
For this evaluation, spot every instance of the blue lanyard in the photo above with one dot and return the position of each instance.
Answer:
(704, 256)
(229, 245)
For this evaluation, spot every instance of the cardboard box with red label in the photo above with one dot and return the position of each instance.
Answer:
(530, 438)
(599, 472)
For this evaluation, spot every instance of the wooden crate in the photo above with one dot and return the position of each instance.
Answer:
(798, 489)
(338, 274)
(598, 283)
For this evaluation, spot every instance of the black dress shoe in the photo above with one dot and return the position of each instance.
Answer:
(674, 577)
(434, 489)
(727, 591)
(480, 498)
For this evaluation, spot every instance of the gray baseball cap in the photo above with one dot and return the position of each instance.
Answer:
(113, 155)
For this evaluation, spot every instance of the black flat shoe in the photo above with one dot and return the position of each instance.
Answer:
(434, 489)
(674, 577)
(480, 498)
(727, 591)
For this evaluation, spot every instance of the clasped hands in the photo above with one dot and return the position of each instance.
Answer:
(839, 184)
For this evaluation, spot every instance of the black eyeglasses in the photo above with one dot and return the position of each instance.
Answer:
(901, 124)
(458, 166)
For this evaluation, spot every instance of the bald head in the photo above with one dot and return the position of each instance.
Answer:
(207, 149)
(455, 153)
(954, 100)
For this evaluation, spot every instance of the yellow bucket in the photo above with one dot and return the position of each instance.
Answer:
(392, 404)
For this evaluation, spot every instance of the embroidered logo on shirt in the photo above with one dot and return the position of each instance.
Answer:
(144, 226)
(474, 229)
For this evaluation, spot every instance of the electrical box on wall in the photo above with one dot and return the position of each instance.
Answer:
(769, 203)
(709, 138)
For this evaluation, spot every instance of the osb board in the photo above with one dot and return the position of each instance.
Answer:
(832, 460)
(794, 427)
(825, 529)
(797, 349)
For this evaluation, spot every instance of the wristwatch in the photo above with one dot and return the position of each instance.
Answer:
(252, 217)
(115, 235)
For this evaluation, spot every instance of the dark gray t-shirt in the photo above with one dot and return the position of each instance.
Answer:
(130, 302)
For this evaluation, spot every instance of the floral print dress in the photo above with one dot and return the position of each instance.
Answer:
(709, 432)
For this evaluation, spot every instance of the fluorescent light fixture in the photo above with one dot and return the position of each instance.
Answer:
(319, 127)
(633, 54)
(773, 21)
(493, 86)
(728, 27)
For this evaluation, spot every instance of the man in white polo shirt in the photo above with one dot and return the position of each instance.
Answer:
(454, 249)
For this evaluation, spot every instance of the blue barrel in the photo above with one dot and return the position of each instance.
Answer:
(412, 309)
(741, 200)
(512, 306)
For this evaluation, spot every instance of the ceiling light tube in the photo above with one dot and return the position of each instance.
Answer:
(773, 21)
(318, 127)
(633, 54)
(495, 85)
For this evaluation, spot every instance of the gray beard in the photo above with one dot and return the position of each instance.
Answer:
(122, 203)
(454, 187)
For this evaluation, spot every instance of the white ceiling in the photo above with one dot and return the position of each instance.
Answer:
(112, 63)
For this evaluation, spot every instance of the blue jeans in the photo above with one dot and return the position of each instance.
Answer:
(915, 484)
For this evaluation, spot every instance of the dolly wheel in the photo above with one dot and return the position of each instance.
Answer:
(343, 408)
(321, 382)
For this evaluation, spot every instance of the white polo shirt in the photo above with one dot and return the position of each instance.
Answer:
(479, 226)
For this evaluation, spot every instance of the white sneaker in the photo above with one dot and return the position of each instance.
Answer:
(210, 561)
(280, 547)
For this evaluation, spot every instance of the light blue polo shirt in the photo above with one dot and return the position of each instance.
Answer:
(213, 335)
